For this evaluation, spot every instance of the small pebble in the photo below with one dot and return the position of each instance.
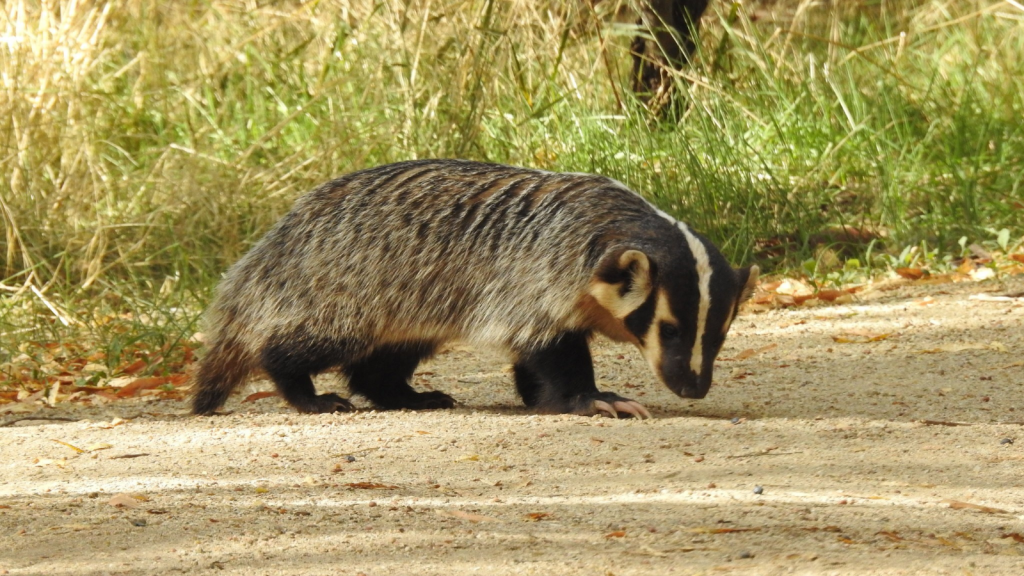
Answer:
(350, 458)
(758, 490)
(746, 554)
(140, 522)
(1006, 441)
(735, 420)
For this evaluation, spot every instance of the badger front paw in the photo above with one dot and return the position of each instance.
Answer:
(609, 404)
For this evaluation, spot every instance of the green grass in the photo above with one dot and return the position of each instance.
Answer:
(145, 145)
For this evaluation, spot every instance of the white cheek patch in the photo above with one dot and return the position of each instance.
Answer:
(652, 340)
(700, 256)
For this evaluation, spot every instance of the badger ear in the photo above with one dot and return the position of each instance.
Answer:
(623, 281)
(749, 278)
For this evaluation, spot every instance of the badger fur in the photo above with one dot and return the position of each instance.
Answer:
(370, 273)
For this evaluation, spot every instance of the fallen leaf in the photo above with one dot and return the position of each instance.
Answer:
(740, 373)
(98, 446)
(51, 396)
(911, 273)
(371, 486)
(537, 516)
(40, 462)
(979, 274)
(784, 300)
(127, 500)
(97, 390)
(75, 448)
(859, 337)
(616, 534)
(890, 535)
(958, 505)
(132, 368)
(1017, 257)
(149, 383)
(471, 517)
(828, 295)
(259, 396)
(712, 530)
(793, 287)
(1015, 536)
(844, 299)
(749, 352)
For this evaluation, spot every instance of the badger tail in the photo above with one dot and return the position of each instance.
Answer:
(221, 370)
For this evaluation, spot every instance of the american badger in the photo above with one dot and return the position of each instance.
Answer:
(371, 273)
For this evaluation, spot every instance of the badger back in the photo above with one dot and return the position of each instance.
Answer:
(436, 250)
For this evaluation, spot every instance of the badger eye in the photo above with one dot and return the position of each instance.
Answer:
(669, 331)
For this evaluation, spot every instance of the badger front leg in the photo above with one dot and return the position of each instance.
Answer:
(558, 378)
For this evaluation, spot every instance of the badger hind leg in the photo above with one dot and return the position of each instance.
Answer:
(291, 360)
(383, 378)
(220, 371)
(558, 378)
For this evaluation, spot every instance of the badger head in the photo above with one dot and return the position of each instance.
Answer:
(676, 306)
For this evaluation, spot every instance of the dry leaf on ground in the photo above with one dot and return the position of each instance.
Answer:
(958, 505)
(127, 500)
(860, 337)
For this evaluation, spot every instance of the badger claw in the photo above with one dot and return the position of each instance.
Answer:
(602, 406)
(631, 407)
(613, 407)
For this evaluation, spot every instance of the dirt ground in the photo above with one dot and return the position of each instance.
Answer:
(878, 437)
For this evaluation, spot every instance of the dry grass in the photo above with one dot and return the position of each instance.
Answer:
(146, 144)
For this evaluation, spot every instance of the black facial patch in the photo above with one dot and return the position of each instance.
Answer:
(639, 321)
(724, 291)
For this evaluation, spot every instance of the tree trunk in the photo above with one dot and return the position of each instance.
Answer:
(670, 39)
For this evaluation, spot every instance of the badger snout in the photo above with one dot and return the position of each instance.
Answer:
(688, 384)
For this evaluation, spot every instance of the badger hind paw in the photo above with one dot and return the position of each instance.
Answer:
(325, 404)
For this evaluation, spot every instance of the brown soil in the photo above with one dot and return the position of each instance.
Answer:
(893, 456)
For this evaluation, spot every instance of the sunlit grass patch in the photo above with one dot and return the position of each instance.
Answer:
(146, 145)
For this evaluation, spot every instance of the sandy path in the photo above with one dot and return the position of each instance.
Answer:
(860, 469)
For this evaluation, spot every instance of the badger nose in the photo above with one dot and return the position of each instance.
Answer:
(695, 393)
(697, 386)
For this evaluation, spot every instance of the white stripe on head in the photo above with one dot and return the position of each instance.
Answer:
(700, 256)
